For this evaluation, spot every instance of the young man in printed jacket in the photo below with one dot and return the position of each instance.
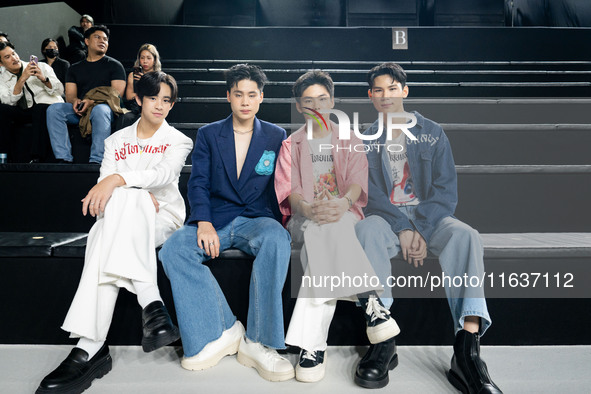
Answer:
(233, 205)
(411, 201)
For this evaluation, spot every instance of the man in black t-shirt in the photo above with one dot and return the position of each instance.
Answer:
(96, 70)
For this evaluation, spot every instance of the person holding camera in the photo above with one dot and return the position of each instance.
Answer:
(148, 59)
(97, 70)
(26, 90)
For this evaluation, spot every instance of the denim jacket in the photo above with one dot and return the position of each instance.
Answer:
(433, 173)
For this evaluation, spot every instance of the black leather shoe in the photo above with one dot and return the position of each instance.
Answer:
(372, 370)
(76, 372)
(468, 372)
(158, 328)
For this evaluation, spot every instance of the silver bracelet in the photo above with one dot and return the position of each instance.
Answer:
(350, 201)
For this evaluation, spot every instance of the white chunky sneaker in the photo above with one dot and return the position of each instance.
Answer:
(380, 325)
(214, 351)
(268, 363)
(311, 367)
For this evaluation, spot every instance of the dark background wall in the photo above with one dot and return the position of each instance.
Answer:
(568, 13)
(370, 43)
(163, 12)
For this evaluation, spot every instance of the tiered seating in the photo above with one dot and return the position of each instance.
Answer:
(426, 79)
(518, 123)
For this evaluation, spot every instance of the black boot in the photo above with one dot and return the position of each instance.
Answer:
(372, 370)
(380, 325)
(158, 328)
(76, 372)
(468, 372)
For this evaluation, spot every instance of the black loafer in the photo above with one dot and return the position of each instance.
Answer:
(372, 370)
(76, 372)
(468, 372)
(158, 327)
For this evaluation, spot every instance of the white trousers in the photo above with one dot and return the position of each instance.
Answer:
(330, 250)
(120, 248)
(309, 324)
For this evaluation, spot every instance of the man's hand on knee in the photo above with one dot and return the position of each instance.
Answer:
(207, 239)
(418, 251)
(405, 237)
(97, 198)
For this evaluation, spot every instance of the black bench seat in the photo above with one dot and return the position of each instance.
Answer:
(505, 245)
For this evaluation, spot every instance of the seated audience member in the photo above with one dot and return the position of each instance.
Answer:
(50, 51)
(412, 199)
(3, 38)
(233, 205)
(97, 71)
(148, 59)
(324, 191)
(26, 90)
(138, 206)
(77, 50)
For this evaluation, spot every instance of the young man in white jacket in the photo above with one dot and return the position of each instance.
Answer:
(138, 206)
(26, 90)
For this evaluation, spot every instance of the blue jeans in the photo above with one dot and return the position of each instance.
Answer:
(61, 114)
(460, 251)
(202, 310)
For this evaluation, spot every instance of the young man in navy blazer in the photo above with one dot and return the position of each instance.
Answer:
(233, 205)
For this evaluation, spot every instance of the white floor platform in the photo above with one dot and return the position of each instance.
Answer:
(520, 369)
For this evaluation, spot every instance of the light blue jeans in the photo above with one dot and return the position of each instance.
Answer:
(460, 251)
(202, 310)
(59, 115)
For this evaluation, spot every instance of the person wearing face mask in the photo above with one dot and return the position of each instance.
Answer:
(97, 71)
(50, 51)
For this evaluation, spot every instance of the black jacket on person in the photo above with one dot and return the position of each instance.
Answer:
(76, 36)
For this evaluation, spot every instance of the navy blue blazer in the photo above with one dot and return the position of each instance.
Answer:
(214, 192)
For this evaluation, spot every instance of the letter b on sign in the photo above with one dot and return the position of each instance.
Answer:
(399, 38)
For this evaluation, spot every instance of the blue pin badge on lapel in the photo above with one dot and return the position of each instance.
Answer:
(266, 163)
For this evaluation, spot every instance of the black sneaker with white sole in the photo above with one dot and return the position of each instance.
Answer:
(311, 366)
(380, 325)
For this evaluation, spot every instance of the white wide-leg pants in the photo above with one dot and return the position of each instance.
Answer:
(330, 250)
(120, 249)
